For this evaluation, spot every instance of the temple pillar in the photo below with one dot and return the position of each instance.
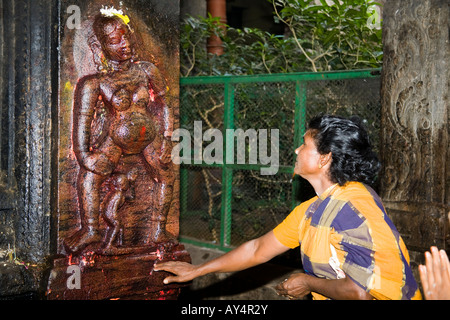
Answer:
(28, 51)
(414, 130)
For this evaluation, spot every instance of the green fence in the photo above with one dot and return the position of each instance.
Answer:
(224, 204)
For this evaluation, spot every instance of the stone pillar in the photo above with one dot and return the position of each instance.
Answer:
(28, 51)
(415, 132)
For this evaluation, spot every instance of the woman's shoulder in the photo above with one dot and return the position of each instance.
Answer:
(306, 204)
(301, 209)
(354, 190)
(363, 199)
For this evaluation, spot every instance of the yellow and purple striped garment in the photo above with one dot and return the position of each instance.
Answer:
(346, 232)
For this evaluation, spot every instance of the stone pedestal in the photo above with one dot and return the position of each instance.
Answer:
(118, 276)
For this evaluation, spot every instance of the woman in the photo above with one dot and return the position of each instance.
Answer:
(349, 247)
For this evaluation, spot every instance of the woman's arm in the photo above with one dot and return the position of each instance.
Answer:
(300, 284)
(247, 255)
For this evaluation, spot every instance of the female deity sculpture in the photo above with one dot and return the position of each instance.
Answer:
(119, 112)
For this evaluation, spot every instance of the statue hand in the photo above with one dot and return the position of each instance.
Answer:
(98, 163)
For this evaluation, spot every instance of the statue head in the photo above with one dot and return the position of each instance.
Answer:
(112, 41)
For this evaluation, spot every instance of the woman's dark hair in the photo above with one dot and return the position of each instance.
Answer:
(352, 156)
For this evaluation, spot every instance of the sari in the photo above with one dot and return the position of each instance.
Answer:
(345, 232)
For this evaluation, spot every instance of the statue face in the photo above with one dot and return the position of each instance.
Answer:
(116, 42)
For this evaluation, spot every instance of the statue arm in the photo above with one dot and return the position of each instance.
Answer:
(161, 110)
(159, 106)
(165, 117)
(85, 99)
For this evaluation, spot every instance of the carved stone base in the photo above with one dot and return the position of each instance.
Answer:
(126, 276)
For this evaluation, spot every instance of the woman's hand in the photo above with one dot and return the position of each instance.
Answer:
(435, 275)
(294, 287)
(298, 285)
(183, 271)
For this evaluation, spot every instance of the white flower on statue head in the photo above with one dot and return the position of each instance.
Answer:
(113, 12)
(110, 12)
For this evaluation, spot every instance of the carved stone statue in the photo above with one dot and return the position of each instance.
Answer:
(118, 112)
(117, 190)
(119, 184)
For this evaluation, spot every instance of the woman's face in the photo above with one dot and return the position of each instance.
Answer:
(308, 158)
(116, 42)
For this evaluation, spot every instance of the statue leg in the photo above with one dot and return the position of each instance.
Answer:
(89, 199)
(164, 178)
(113, 202)
(88, 187)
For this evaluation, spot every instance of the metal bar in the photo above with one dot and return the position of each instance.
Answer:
(299, 129)
(281, 169)
(227, 171)
(205, 244)
(303, 76)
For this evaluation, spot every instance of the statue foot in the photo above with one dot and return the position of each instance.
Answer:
(81, 239)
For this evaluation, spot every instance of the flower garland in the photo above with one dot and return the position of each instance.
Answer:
(111, 12)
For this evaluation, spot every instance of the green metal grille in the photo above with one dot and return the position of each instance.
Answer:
(226, 204)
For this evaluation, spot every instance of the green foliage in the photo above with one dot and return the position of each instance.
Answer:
(321, 37)
(333, 37)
